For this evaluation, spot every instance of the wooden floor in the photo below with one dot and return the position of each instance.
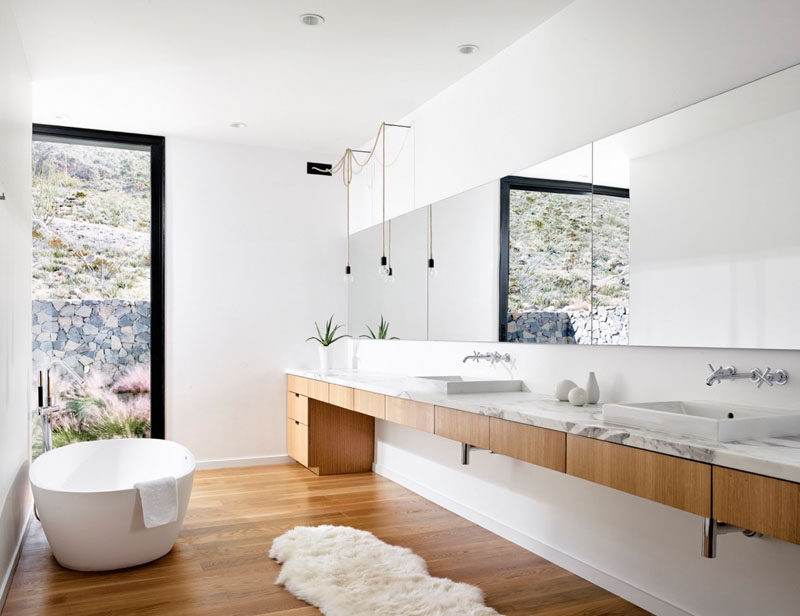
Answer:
(220, 566)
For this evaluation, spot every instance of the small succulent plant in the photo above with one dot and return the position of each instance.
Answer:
(329, 337)
(382, 333)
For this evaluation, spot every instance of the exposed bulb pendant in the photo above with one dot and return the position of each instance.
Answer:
(346, 165)
(383, 268)
(347, 174)
(389, 277)
(431, 263)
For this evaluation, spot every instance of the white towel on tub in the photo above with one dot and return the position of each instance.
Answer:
(159, 501)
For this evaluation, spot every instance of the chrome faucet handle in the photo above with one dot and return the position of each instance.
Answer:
(762, 377)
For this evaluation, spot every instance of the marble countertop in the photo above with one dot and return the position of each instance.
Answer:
(774, 457)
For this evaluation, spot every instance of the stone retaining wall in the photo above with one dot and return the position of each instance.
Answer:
(105, 335)
(570, 326)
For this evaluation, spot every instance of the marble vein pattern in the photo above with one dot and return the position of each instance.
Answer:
(773, 457)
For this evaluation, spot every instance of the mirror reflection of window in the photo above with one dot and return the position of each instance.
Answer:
(549, 262)
(610, 265)
(567, 262)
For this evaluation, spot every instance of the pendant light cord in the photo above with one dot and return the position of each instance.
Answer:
(347, 176)
(383, 189)
(346, 165)
(430, 231)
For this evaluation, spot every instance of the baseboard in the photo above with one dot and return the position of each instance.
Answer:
(5, 585)
(643, 599)
(204, 465)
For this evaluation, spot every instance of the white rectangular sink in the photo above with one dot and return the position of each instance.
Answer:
(709, 420)
(459, 385)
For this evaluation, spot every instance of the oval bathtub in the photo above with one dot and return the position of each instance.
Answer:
(89, 509)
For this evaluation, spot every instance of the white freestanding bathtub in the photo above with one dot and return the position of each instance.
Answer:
(89, 509)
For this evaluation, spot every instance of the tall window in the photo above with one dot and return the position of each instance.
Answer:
(97, 313)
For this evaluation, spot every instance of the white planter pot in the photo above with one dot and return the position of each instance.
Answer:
(324, 358)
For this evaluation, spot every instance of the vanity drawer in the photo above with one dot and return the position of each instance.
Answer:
(297, 407)
(676, 482)
(339, 395)
(297, 384)
(297, 441)
(532, 444)
(369, 403)
(763, 504)
(308, 387)
(469, 428)
(317, 390)
(417, 415)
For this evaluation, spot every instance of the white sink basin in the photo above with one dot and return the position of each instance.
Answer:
(709, 420)
(460, 385)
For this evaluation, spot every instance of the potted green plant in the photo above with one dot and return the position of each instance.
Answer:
(382, 332)
(325, 340)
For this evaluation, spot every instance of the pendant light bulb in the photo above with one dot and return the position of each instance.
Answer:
(432, 271)
(389, 278)
(348, 275)
(383, 268)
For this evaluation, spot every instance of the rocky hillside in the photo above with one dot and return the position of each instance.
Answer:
(560, 244)
(91, 209)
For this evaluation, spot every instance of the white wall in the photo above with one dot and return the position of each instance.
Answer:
(15, 291)
(594, 69)
(715, 253)
(255, 254)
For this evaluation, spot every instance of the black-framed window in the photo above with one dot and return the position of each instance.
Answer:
(559, 218)
(151, 338)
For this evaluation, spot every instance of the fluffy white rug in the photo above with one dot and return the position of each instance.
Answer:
(348, 572)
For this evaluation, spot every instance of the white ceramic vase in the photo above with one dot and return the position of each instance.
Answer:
(592, 389)
(324, 358)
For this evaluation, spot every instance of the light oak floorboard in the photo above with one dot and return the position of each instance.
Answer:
(220, 564)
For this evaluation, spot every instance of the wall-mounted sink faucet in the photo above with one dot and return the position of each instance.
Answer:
(756, 375)
(492, 358)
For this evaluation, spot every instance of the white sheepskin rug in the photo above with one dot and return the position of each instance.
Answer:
(348, 572)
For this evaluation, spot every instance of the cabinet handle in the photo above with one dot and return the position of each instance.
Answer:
(297, 423)
(297, 395)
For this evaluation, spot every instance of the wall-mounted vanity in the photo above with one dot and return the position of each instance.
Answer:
(681, 231)
(754, 486)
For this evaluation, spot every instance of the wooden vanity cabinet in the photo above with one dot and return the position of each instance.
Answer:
(418, 415)
(330, 430)
(311, 388)
(461, 426)
(326, 438)
(369, 403)
(532, 444)
(338, 395)
(683, 484)
(763, 504)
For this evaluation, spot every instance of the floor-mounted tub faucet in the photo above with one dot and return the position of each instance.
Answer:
(51, 407)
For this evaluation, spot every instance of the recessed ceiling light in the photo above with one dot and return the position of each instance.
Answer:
(62, 116)
(468, 49)
(312, 19)
(238, 125)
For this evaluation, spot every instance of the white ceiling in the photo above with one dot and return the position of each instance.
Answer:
(191, 67)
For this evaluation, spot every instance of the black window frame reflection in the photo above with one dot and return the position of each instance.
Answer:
(516, 182)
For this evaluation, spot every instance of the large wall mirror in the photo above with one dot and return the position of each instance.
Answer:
(682, 231)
